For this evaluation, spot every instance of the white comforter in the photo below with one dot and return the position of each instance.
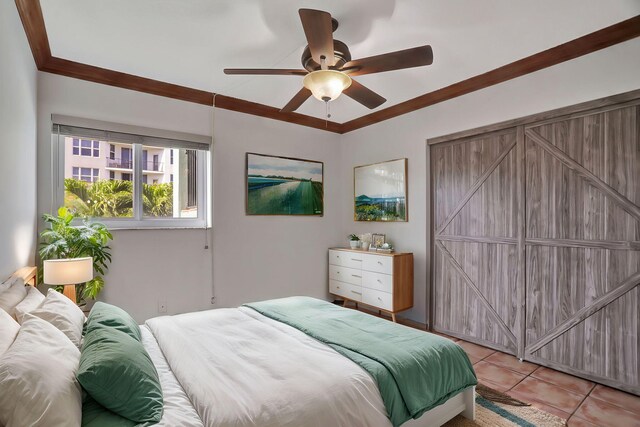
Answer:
(240, 368)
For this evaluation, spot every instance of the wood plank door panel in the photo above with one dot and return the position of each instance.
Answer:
(475, 184)
(583, 245)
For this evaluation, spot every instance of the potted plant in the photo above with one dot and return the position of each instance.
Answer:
(64, 240)
(354, 241)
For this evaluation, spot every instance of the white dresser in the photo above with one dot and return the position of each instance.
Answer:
(380, 280)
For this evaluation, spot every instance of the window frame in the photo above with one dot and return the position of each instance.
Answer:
(138, 220)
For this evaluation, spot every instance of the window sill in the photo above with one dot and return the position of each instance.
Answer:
(135, 228)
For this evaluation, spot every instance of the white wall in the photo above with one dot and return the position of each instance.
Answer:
(266, 257)
(613, 70)
(18, 87)
(255, 257)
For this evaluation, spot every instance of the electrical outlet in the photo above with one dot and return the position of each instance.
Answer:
(162, 306)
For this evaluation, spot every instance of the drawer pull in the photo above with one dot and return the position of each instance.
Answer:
(379, 262)
(357, 293)
(355, 275)
(353, 259)
(379, 281)
(337, 287)
(379, 299)
(337, 272)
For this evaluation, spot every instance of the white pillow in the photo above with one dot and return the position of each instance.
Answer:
(38, 385)
(12, 296)
(8, 330)
(62, 313)
(32, 301)
(10, 281)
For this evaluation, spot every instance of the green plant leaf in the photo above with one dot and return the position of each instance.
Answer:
(64, 240)
(93, 287)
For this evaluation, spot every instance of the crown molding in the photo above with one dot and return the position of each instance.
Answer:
(34, 26)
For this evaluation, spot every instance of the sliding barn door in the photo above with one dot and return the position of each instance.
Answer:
(478, 253)
(583, 245)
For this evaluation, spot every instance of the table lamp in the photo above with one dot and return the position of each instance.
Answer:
(68, 272)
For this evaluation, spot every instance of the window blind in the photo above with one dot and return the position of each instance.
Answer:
(116, 132)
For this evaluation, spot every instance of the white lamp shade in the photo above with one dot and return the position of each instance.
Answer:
(68, 271)
(326, 85)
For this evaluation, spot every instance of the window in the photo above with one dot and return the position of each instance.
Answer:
(86, 147)
(132, 187)
(192, 188)
(85, 174)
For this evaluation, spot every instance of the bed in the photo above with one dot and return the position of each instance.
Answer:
(255, 366)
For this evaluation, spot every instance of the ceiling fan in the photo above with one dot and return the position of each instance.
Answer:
(328, 67)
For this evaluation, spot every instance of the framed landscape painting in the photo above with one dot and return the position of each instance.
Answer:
(284, 186)
(380, 191)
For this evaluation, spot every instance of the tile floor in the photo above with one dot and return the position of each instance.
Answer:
(582, 403)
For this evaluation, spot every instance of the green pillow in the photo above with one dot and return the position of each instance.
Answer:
(118, 373)
(96, 415)
(103, 314)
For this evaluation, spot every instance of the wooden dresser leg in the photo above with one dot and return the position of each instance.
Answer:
(356, 303)
(393, 317)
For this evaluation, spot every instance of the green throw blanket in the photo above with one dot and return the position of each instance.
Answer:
(415, 371)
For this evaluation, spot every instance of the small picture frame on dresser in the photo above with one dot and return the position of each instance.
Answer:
(377, 240)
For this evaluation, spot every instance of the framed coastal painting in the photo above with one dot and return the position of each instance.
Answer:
(381, 191)
(284, 186)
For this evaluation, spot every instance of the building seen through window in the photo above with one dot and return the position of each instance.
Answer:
(99, 179)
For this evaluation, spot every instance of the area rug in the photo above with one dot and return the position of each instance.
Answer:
(496, 409)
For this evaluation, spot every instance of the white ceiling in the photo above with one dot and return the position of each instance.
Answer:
(189, 42)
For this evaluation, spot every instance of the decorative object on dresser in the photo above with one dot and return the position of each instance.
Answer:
(536, 250)
(284, 186)
(377, 240)
(383, 281)
(354, 241)
(380, 191)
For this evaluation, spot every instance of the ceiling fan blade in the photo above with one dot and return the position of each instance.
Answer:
(318, 29)
(266, 71)
(297, 100)
(408, 58)
(364, 95)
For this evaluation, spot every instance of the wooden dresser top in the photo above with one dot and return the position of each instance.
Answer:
(371, 252)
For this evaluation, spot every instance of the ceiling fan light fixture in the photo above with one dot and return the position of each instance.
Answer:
(326, 85)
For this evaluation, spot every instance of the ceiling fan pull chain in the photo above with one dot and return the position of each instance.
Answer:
(327, 109)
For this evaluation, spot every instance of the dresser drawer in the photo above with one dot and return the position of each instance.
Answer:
(352, 260)
(377, 263)
(335, 257)
(346, 290)
(346, 259)
(377, 281)
(378, 299)
(345, 274)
